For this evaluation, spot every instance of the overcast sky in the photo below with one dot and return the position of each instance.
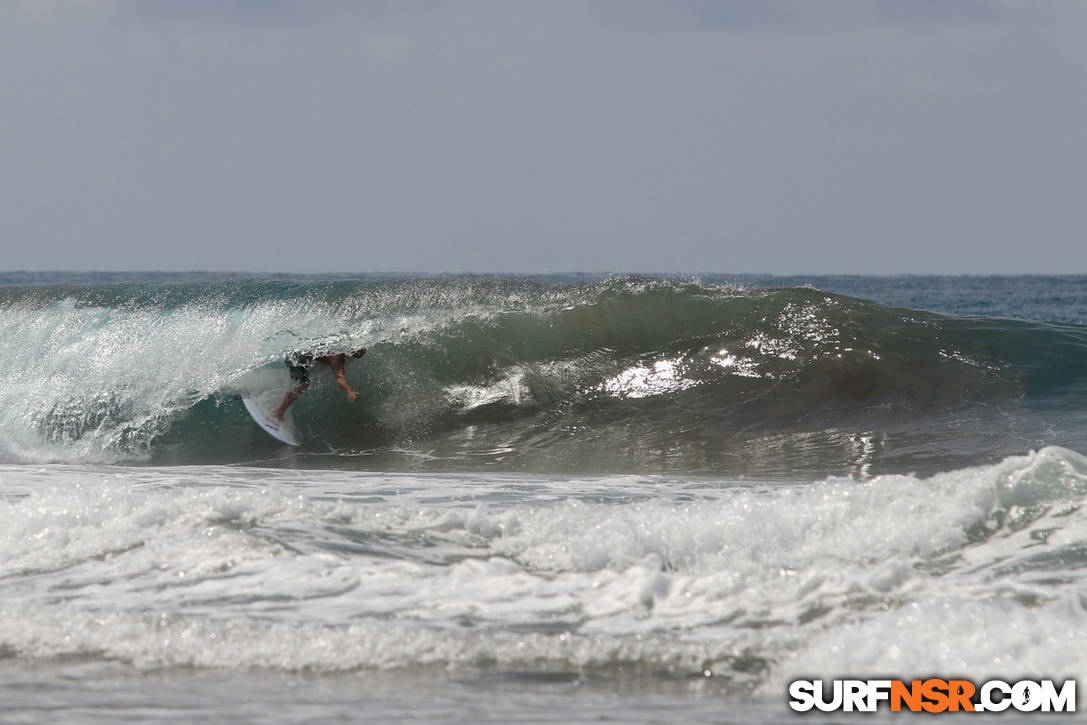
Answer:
(916, 136)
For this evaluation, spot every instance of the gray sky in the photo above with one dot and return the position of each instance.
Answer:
(919, 136)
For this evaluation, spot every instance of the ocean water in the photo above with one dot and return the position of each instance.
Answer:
(626, 499)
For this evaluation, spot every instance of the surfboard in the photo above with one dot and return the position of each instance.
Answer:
(280, 430)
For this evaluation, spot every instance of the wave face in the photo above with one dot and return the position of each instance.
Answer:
(618, 375)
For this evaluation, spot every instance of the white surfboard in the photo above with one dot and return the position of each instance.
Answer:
(280, 430)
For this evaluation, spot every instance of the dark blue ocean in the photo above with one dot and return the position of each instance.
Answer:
(635, 498)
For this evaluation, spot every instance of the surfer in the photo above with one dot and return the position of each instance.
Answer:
(299, 365)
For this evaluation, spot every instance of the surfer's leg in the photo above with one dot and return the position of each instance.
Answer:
(288, 400)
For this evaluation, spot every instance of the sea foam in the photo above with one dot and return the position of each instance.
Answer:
(975, 572)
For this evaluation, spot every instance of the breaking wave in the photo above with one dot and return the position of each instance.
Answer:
(619, 375)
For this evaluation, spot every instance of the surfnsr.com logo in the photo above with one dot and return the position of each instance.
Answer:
(932, 695)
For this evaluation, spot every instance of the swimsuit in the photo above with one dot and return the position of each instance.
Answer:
(298, 365)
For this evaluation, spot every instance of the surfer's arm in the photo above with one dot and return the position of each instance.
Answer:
(341, 377)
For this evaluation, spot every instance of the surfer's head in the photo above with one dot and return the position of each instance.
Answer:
(359, 353)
